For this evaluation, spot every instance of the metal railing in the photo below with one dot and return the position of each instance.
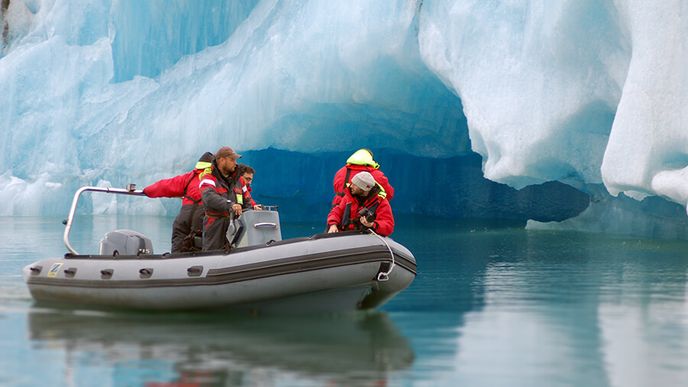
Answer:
(130, 190)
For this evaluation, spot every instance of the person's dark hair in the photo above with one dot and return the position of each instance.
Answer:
(207, 157)
(243, 168)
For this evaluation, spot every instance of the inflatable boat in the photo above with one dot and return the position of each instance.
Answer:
(337, 272)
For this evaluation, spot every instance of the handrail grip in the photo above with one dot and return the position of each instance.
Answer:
(72, 210)
(265, 225)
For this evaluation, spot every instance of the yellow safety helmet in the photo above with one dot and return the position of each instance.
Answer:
(363, 157)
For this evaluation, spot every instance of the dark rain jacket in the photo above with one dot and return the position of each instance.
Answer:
(217, 193)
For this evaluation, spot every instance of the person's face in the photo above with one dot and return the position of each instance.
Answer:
(226, 165)
(248, 178)
(356, 190)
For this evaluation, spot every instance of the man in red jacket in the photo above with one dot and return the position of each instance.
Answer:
(361, 160)
(189, 222)
(362, 207)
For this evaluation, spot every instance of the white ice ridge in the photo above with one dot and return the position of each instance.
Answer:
(581, 91)
(576, 91)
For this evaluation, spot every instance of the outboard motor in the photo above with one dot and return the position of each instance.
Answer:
(259, 228)
(125, 242)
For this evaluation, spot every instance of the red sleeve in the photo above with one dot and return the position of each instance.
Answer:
(169, 188)
(384, 220)
(384, 182)
(335, 216)
(338, 185)
(338, 181)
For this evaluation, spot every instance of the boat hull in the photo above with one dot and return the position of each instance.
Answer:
(321, 273)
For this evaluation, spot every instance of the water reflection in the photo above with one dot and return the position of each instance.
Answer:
(491, 305)
(515, 307)
(569, 308)
(212, 349)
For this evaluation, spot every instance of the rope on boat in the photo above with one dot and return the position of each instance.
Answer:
(384, 276)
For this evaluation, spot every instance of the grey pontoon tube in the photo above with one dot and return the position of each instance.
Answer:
(75, 201)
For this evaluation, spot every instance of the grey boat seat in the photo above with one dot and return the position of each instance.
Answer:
(255, 228)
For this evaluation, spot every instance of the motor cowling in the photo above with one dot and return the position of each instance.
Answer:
(125, 242)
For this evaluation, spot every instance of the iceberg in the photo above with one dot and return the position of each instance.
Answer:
(523, 98)
(539, 81)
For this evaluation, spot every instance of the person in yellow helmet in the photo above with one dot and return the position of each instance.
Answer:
(359, 161)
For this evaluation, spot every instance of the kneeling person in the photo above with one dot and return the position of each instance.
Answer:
(362, 208)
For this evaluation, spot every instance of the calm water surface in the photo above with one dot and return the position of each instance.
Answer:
(492, 305)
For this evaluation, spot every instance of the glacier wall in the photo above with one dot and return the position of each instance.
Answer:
(539, 80)
(442, 187)
(585, 92)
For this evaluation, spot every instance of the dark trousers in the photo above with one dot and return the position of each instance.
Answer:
(215, 233)
(187, 225)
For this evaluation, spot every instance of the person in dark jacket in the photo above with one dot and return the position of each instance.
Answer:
(223, 193)
(188, 224)
(362, 207)
(361, 160)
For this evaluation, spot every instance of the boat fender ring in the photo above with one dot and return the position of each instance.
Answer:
(146, 272)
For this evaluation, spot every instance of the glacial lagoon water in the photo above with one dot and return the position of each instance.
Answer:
(492, 305)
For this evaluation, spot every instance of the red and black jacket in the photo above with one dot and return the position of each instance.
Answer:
(223, 189)
(346, 214)
(216, 191)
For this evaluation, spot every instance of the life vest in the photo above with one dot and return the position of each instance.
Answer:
(186, 187)
(368, 207)
(341, 184)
